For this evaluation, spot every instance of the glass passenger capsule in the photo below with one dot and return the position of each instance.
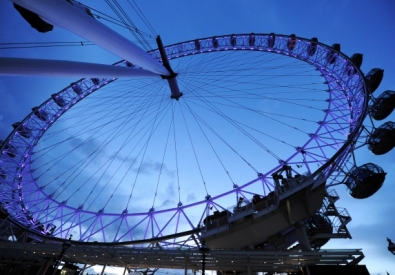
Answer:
(382, 140)
(365, 180)
(383, 105)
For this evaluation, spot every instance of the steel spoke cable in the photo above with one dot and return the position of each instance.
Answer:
(281, 122)
(257, 96)
(198, 120)
(265, 113)
(158, 108)
(221, 138)
(141, 138)
(104, 16)
(113, 133)
(265, 87)
(131, 26)
(258, 70)
(107, 112)
(262, 84)
(33, 45)
(266, 93)
(194, 150)
(88, 160)
(271, 98)
(176, 153)
(91, 117)
(130, 166)
(233, 121)
(93, 174)
(249, 60)
(154, 122)
(105, 142)
(86, 118)
(215, 110)
(243, 107)
(100, 126)
(161, 163)
(222, 60)
(236, 105)
(186, 78)
(84, 131)
(135, 180)
(142, 16)
(43, 43)
(144, 42)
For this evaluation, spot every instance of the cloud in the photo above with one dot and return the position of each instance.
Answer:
(168, 204)
(191, 197)
(150, 167)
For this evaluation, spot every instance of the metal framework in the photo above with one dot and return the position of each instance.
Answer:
(217, 260)
(329, 147)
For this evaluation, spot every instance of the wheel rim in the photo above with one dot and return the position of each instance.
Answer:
(330, 143)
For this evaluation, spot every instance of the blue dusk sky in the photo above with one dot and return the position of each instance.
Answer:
(364, 26)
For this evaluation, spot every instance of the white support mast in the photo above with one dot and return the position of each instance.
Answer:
(61, 68)
(65, 15)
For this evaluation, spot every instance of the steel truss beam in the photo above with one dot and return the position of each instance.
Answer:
(232, 260)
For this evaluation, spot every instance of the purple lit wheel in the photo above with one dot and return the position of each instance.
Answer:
(130, 163)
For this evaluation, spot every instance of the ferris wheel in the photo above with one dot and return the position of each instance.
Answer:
(188, 143)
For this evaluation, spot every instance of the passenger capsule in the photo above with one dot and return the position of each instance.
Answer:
(291, 42)
(373, 79)
(251, 40)
(233, 40)
(77, 89)
(40, 114)
(270, 40)
(58, 100)
(331, 55)
(382, 140)
(197, 45)
(383, 105)
(22, 129)
(10, 150)
(312, 47)
(356, 59)
(365, 180)
(215, 42)
(95, 81)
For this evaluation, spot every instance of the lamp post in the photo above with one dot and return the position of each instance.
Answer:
(204, 250)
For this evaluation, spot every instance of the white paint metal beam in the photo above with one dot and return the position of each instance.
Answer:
(61, 68)
(65, 15)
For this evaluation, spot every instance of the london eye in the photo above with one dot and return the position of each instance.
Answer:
(202, 143)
